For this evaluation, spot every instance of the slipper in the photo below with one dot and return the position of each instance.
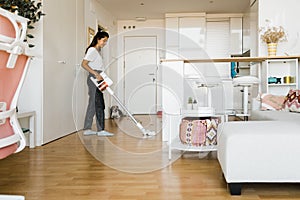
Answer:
(104, 133)
(89, 132)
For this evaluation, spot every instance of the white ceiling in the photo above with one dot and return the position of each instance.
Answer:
(155, 9)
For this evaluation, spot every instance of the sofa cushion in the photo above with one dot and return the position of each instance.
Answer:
(271, 102)
(292, 101)
(273, 115)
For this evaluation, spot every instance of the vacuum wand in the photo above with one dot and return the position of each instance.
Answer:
(104, 85)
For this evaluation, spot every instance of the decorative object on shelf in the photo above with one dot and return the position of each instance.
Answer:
(190, 103)
(289, 79)
(273, 79)
(91, 33)
(271, 35)
(272, 49)
(195, 104)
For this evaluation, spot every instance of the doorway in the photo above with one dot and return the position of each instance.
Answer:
(140, 74)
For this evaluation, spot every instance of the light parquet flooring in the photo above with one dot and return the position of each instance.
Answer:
(67, 169)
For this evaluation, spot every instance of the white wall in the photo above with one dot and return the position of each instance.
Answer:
(281, 13)
(141, 28)
(31, 95)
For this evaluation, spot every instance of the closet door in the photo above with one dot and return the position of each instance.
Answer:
(191, 37)
(172, 38)
(59, 38)
(218, 44)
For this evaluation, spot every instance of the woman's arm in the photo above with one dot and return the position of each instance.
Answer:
(85, 65)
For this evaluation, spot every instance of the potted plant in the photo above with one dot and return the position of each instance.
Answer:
(25, 8)
(190, 103)
(271, 35)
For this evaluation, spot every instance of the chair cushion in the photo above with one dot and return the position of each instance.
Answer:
(245, 80)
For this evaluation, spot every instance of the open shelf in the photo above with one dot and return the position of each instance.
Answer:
(279, 68)
(176, 144)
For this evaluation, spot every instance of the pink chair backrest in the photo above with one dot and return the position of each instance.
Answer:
(9, 82)
(9, 29)
(12, 32)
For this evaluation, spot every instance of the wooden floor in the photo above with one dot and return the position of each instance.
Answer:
(89, 167)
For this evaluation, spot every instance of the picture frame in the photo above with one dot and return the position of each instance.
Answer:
(91, 33)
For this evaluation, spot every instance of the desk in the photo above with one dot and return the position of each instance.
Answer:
(256, 60)
(31, 115)
(233, 59)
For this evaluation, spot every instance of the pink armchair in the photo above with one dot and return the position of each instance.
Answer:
(13, 67)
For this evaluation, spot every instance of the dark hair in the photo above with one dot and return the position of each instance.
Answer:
(98, 36)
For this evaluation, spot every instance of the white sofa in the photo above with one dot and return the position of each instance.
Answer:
(258, 115)
(265, 150)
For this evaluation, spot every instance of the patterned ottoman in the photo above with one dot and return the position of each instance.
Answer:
(259, 151)
(198, 131)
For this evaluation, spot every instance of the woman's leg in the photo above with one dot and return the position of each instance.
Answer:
(99, 107)
(90, 111)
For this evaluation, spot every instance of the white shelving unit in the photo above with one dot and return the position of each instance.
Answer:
(181, 81)
(279, 68)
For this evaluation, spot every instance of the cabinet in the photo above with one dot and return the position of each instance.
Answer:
(279, 76)
(182, 80)
(31, 115)
(185, 35)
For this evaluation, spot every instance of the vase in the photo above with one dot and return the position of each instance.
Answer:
(272, 49)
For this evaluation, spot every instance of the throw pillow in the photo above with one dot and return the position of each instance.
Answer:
(292, 101)
(271, 102)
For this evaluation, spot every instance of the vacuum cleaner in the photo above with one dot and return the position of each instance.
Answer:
(103, 85)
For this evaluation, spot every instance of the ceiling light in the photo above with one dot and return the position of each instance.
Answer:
(141, 19)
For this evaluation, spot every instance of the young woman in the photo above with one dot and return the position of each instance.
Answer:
(93, 63)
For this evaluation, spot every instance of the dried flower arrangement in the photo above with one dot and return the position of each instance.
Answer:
(273, 34)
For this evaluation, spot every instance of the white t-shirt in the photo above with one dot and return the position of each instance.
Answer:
(94, 58)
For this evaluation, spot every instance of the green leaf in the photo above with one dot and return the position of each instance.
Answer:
(30, 27)
(30, 36)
